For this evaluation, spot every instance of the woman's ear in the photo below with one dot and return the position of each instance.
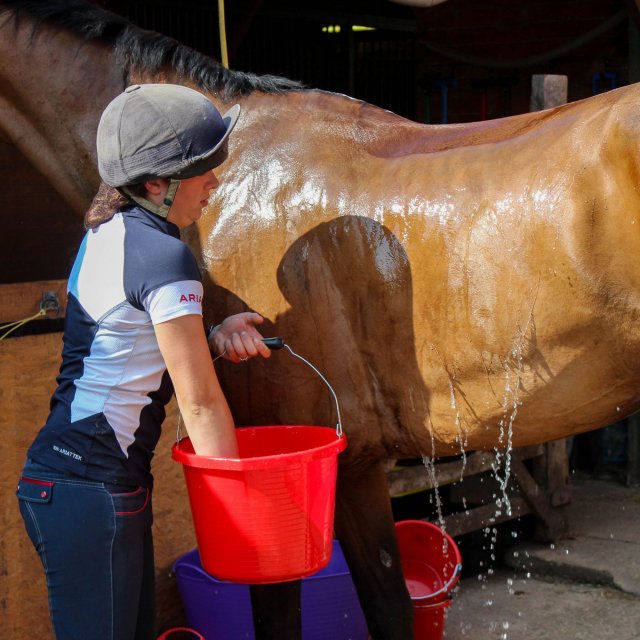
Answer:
(157, 186)
(156, 189)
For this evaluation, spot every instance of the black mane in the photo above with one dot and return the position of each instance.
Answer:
(147, 51)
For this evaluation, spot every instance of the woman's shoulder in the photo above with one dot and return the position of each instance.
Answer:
(154, 255)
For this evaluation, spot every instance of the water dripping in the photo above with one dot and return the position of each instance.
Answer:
(461, 437)
(510, 590)
(430, 465)
(513, 371)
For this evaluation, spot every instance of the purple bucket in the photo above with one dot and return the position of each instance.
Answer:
(220, 609)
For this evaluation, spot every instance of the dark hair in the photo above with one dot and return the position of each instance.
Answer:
(107, 202)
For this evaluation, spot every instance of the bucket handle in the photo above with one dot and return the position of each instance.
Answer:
(278, 343)
(444, 589)
(333, 393)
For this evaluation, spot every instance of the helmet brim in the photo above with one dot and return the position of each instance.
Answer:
(217, 155)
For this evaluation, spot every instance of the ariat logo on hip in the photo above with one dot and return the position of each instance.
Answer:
(66, 452)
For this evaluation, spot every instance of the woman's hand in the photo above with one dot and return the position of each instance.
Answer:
(237, 339)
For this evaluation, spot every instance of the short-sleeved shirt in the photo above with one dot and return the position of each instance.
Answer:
(130, 273)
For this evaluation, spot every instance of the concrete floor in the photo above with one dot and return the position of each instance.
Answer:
(585, 587)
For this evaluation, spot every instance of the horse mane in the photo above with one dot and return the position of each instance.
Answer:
(145, 51)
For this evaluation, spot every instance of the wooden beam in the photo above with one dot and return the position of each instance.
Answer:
(405, 480)
(457, 524)
(553, 522)
(24, 299)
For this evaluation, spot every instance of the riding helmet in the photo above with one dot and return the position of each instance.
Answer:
(161, 131)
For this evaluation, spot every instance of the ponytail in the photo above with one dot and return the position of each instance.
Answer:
(106, 203)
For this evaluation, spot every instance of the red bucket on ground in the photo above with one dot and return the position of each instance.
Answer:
(431, 564)
(181, 633)
(266, 516)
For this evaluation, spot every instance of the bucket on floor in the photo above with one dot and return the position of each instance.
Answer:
(266, 516)
(219, 609)
(181, 633)
(428, 620)
(431, 564)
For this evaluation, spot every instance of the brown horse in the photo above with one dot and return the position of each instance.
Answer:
(462, 287)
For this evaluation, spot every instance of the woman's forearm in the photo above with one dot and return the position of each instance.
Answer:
(202, 404)
(210, 428)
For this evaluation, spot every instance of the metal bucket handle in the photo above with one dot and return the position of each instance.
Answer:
(445, 588)
(275, 344)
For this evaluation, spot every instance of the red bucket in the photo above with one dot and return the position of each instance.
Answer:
(428, 620)
(431, 564)
(181, 633)
(266, 516)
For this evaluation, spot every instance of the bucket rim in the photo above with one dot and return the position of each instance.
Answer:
(440, 604)
(166, 635)
(334, 446)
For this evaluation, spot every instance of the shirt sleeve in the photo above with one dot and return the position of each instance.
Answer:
(174, 300)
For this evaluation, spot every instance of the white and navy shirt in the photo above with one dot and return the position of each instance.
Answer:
(130, 273)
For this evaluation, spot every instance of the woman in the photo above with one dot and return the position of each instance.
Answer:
(133, 333)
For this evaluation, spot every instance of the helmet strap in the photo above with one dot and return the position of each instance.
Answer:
(161, 210)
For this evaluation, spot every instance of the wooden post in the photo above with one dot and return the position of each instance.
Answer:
(633, 450)
(548, 91)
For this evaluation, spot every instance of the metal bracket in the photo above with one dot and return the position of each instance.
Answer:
(50, 304)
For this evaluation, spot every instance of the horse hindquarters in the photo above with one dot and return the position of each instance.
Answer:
(365, 527)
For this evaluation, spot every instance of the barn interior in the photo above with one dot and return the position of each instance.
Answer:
(453, 62)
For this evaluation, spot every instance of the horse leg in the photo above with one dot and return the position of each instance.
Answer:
(276, 611)
(366, 531)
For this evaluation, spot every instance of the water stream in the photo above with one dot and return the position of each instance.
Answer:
(513, 372)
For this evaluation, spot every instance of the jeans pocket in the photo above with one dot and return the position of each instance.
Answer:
(33, 494)
(130, 503)
(35, 490)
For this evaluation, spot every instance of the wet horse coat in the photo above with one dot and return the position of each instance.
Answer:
(462, 287)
